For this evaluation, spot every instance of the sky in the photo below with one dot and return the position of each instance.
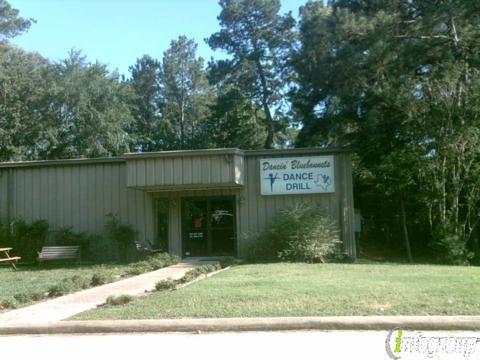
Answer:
(117, 32)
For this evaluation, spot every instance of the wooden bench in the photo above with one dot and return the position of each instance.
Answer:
(5, 257)
(59, 253)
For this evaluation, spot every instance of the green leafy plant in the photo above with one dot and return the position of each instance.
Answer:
(101, 276)
(68, 285)
(118, 300)
(162, 260)
(302, 232)
(122, 234)
(198, 271)
(153, 262)
(163, 285)
(451, 246)
(9, 303)
(65, 236)
(25, 238)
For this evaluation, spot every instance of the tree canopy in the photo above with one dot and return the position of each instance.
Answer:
(397, 82)
(11, 24)
(259, 41)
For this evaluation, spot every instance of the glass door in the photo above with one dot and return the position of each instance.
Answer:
(222, 227)
(209, 226)
(195, 232)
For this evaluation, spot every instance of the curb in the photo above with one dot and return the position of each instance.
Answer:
(373, 323)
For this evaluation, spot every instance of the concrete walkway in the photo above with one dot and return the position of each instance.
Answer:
(63, 307)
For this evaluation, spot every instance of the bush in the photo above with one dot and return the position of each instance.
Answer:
(259, 247)
(68, 285)
(26, 239)
(22, 298)
(452, 248)
(303, 232)
(198, 271)
(139, 267)
(65, 236)
(100, 249)
(8, 304)
(101, 276)
(162, 260)
(122, 234)
(153, 262)
(60, 289)
(168, 284)
(119, 300)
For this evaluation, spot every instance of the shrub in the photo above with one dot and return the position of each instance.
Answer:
(37, 296)
(60, 289)
(101, 276)
(168, 284)
(303, 232)
(162, 260)
(226, 263)
(25, 238)
(68, 285)
(80, 282)
(452, 249)
(100, 249)
(122, 234)
(153, 262)
(116, 300)
(339, 257)
(65, 236)
(139, 267)
(259, 247)
(8, 304)
(22, 298)
(199, 270)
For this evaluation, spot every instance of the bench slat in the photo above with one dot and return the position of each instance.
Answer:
(60, 246)
(59, 252)
(15, 258)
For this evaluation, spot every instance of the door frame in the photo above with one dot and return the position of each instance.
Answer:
(207, 198)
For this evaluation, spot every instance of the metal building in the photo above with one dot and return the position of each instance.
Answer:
(196, 203)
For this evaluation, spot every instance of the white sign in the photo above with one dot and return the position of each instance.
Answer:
(300, 175)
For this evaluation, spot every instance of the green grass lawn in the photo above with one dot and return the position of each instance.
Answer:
(313, 290)
(34, 283)
(34, 280)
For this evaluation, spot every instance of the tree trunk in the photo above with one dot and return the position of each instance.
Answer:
(182, 125)
(405, 230)
(268, 115)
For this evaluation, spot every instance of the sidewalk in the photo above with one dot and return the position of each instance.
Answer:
(63, 307)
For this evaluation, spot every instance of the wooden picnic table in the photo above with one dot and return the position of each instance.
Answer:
(5, 257)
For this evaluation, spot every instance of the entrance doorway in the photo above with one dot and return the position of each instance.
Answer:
(208, 226)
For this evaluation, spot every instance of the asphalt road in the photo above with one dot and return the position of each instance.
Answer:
(231, 346)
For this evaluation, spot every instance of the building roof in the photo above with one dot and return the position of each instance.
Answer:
(174, 153)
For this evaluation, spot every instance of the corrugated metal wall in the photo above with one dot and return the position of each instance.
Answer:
(257, 210)
(204, 170)
(77, 195)
(254, 211)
